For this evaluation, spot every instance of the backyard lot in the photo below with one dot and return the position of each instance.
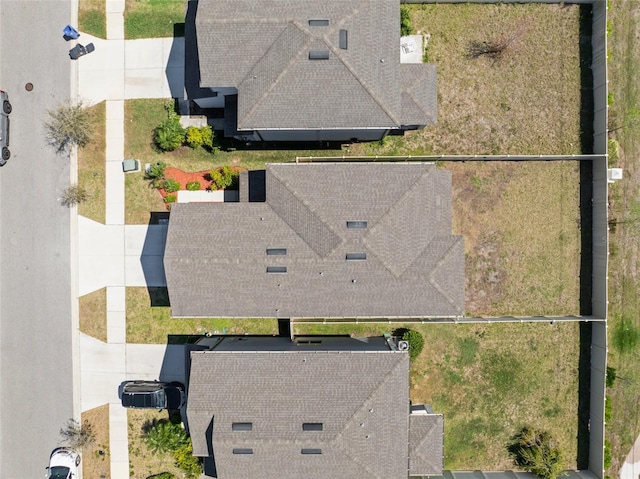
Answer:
(489, 381)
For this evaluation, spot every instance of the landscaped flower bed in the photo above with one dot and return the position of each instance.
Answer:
(174, 180)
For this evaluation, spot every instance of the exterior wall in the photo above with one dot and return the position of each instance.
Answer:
(322, 135)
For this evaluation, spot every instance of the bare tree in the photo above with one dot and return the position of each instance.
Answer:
(73, 195)
(69, 125)
(77, 435)
(493, 49)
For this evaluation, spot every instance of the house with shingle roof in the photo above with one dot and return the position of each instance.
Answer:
(300, 70)
(322, 240)
(315, 407)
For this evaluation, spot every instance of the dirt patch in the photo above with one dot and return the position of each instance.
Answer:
(96, 457)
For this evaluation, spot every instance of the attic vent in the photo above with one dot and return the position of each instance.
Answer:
(276, 269)
(356, 224)
(318, 23)
(343, 39)
(311, 451)
(312, 426)
(276, 251)
(242, 426)
(356, 256)
(318, 54)
(242, 450)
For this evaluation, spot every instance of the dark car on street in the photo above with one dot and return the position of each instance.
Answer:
(153, 395)
(4, 128)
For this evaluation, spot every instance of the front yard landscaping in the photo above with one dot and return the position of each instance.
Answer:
(490, 380)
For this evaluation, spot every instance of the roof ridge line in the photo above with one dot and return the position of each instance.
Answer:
(387, 213)
(365, 405)
(280, 75)
(311, 210)
(439, 264)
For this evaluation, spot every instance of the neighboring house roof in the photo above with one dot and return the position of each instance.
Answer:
(216, 253)
(361, 398)
(263, 49)
(425, 444)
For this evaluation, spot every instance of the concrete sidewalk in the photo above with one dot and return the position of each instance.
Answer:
(114, 255)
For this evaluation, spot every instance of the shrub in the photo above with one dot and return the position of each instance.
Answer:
(405, 22)
(170, 198)
(170, 185)
(607, 409)
(223, 178)
(535, 451)
(186, 461)
(207, 137)
(194, 137)
(611, 376)
(416, 343)
(169, 135)
(193, 186)
(165, 436)
(607, 454)
(156, 174)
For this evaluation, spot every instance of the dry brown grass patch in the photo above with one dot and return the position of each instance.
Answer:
(93, 314)
(96, 457)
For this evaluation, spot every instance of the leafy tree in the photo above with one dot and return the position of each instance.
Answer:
(535, 451)
(68, 126)
(165, 436)
(77, 435)
(74, 195)
(405, 22)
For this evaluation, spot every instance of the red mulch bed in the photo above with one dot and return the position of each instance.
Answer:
(184, 177)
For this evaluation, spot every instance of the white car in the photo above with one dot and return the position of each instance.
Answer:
(63, 464)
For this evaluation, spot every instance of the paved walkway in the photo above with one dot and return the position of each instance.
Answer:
(631, 467)
(114, 255)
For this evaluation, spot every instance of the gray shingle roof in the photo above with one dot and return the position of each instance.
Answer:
(215, 256)
(361, 398)
(262, 49)
(426, 455)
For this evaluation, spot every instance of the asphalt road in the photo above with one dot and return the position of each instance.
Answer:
(36, 376)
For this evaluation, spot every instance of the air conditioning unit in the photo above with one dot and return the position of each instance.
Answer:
(403, 345)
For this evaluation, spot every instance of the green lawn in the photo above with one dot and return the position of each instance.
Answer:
(153, 325)
(91, 168)
(624, 303)
(92, 17)
(154, 18)
(489, 381)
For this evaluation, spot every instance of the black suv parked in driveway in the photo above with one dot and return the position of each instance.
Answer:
(152, 395)
(4, 128)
